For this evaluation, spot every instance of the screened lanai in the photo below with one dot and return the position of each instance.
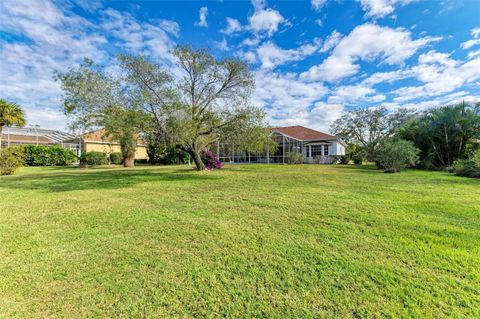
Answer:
(230, 153)
(316, 147)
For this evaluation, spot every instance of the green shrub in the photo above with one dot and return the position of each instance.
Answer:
(116, 158)
(393, 155)
(357, 159)
(344, 159)
(11, 158)
(37, 155)
(469, 167)
(93, 158)
(294, 158)
(141, 161)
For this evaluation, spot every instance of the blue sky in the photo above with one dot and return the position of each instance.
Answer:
(312, 60)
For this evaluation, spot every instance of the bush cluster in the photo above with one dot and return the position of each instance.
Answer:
(294, 158)
(93, 158)
(357, 158)
(36, 155)
(11, 159)
(116, 158)
(211, 161)
(393, 155)
(469, 167)
(343, 159)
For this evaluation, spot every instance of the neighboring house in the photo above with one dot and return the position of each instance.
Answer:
(99, 142)
(37, 136)
(316, 147)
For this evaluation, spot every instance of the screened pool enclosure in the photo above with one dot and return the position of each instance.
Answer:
(316, 147)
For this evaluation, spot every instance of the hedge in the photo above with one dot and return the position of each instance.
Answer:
(37, 155)
(93, 158)
(116, 158)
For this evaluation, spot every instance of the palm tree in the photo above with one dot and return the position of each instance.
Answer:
(10, 114)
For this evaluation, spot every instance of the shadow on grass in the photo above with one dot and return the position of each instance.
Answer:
(82, 179)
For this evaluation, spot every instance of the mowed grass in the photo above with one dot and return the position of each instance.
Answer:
(264, 241)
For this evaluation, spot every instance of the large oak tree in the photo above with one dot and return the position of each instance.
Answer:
(207, 98)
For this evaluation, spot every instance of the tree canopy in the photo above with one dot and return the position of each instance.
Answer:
(93, 98)
(207, 99)
(444, 134)
(368, 126)
(10, 114)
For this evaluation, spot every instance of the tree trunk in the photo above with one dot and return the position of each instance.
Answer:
(198, 161)
(1, 129)
(129, 161)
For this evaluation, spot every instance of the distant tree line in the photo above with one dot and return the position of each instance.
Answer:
(445, 137)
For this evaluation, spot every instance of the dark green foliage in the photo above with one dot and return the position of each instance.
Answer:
(368, 126)
(11, 158)
(393, 155)
(37, 155)
(93, 158)
(469, 167)
(141, 161)
(344, 159)
(444, 134)
(294, 158)
(160, 153)
(357, 158)
(116, 158)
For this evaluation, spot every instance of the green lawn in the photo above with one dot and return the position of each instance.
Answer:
(303, 241)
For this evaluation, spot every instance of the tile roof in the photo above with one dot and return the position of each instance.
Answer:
(97, 136)
(302, 133)
(102, 136)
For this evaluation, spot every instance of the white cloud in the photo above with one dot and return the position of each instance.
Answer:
(331, 41)
(317, 5)
(473, 54)
(380, 8)
(322, 115)
(141, 38)
(59, 39)
(233, 26)
(475, 32)
(470, 43)
(222, 45)
(271, 55)
(439, 78)
(251, 42)
(288, 100)
(248, 56)
(202, 17)
(259, 4)
(368, 42)
(265, 21)
(46, 118)
(355, 94)
(386, 77)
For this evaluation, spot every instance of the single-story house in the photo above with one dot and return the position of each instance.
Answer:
(316, 147)
(98, 141)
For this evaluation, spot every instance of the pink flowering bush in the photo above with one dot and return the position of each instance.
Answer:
(211, 161)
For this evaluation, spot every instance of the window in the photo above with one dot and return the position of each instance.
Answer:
(316, 150)
(325, 150)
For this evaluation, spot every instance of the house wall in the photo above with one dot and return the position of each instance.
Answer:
(338, 148)
(140, 153)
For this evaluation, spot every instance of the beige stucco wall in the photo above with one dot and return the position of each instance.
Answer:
(141, 152)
